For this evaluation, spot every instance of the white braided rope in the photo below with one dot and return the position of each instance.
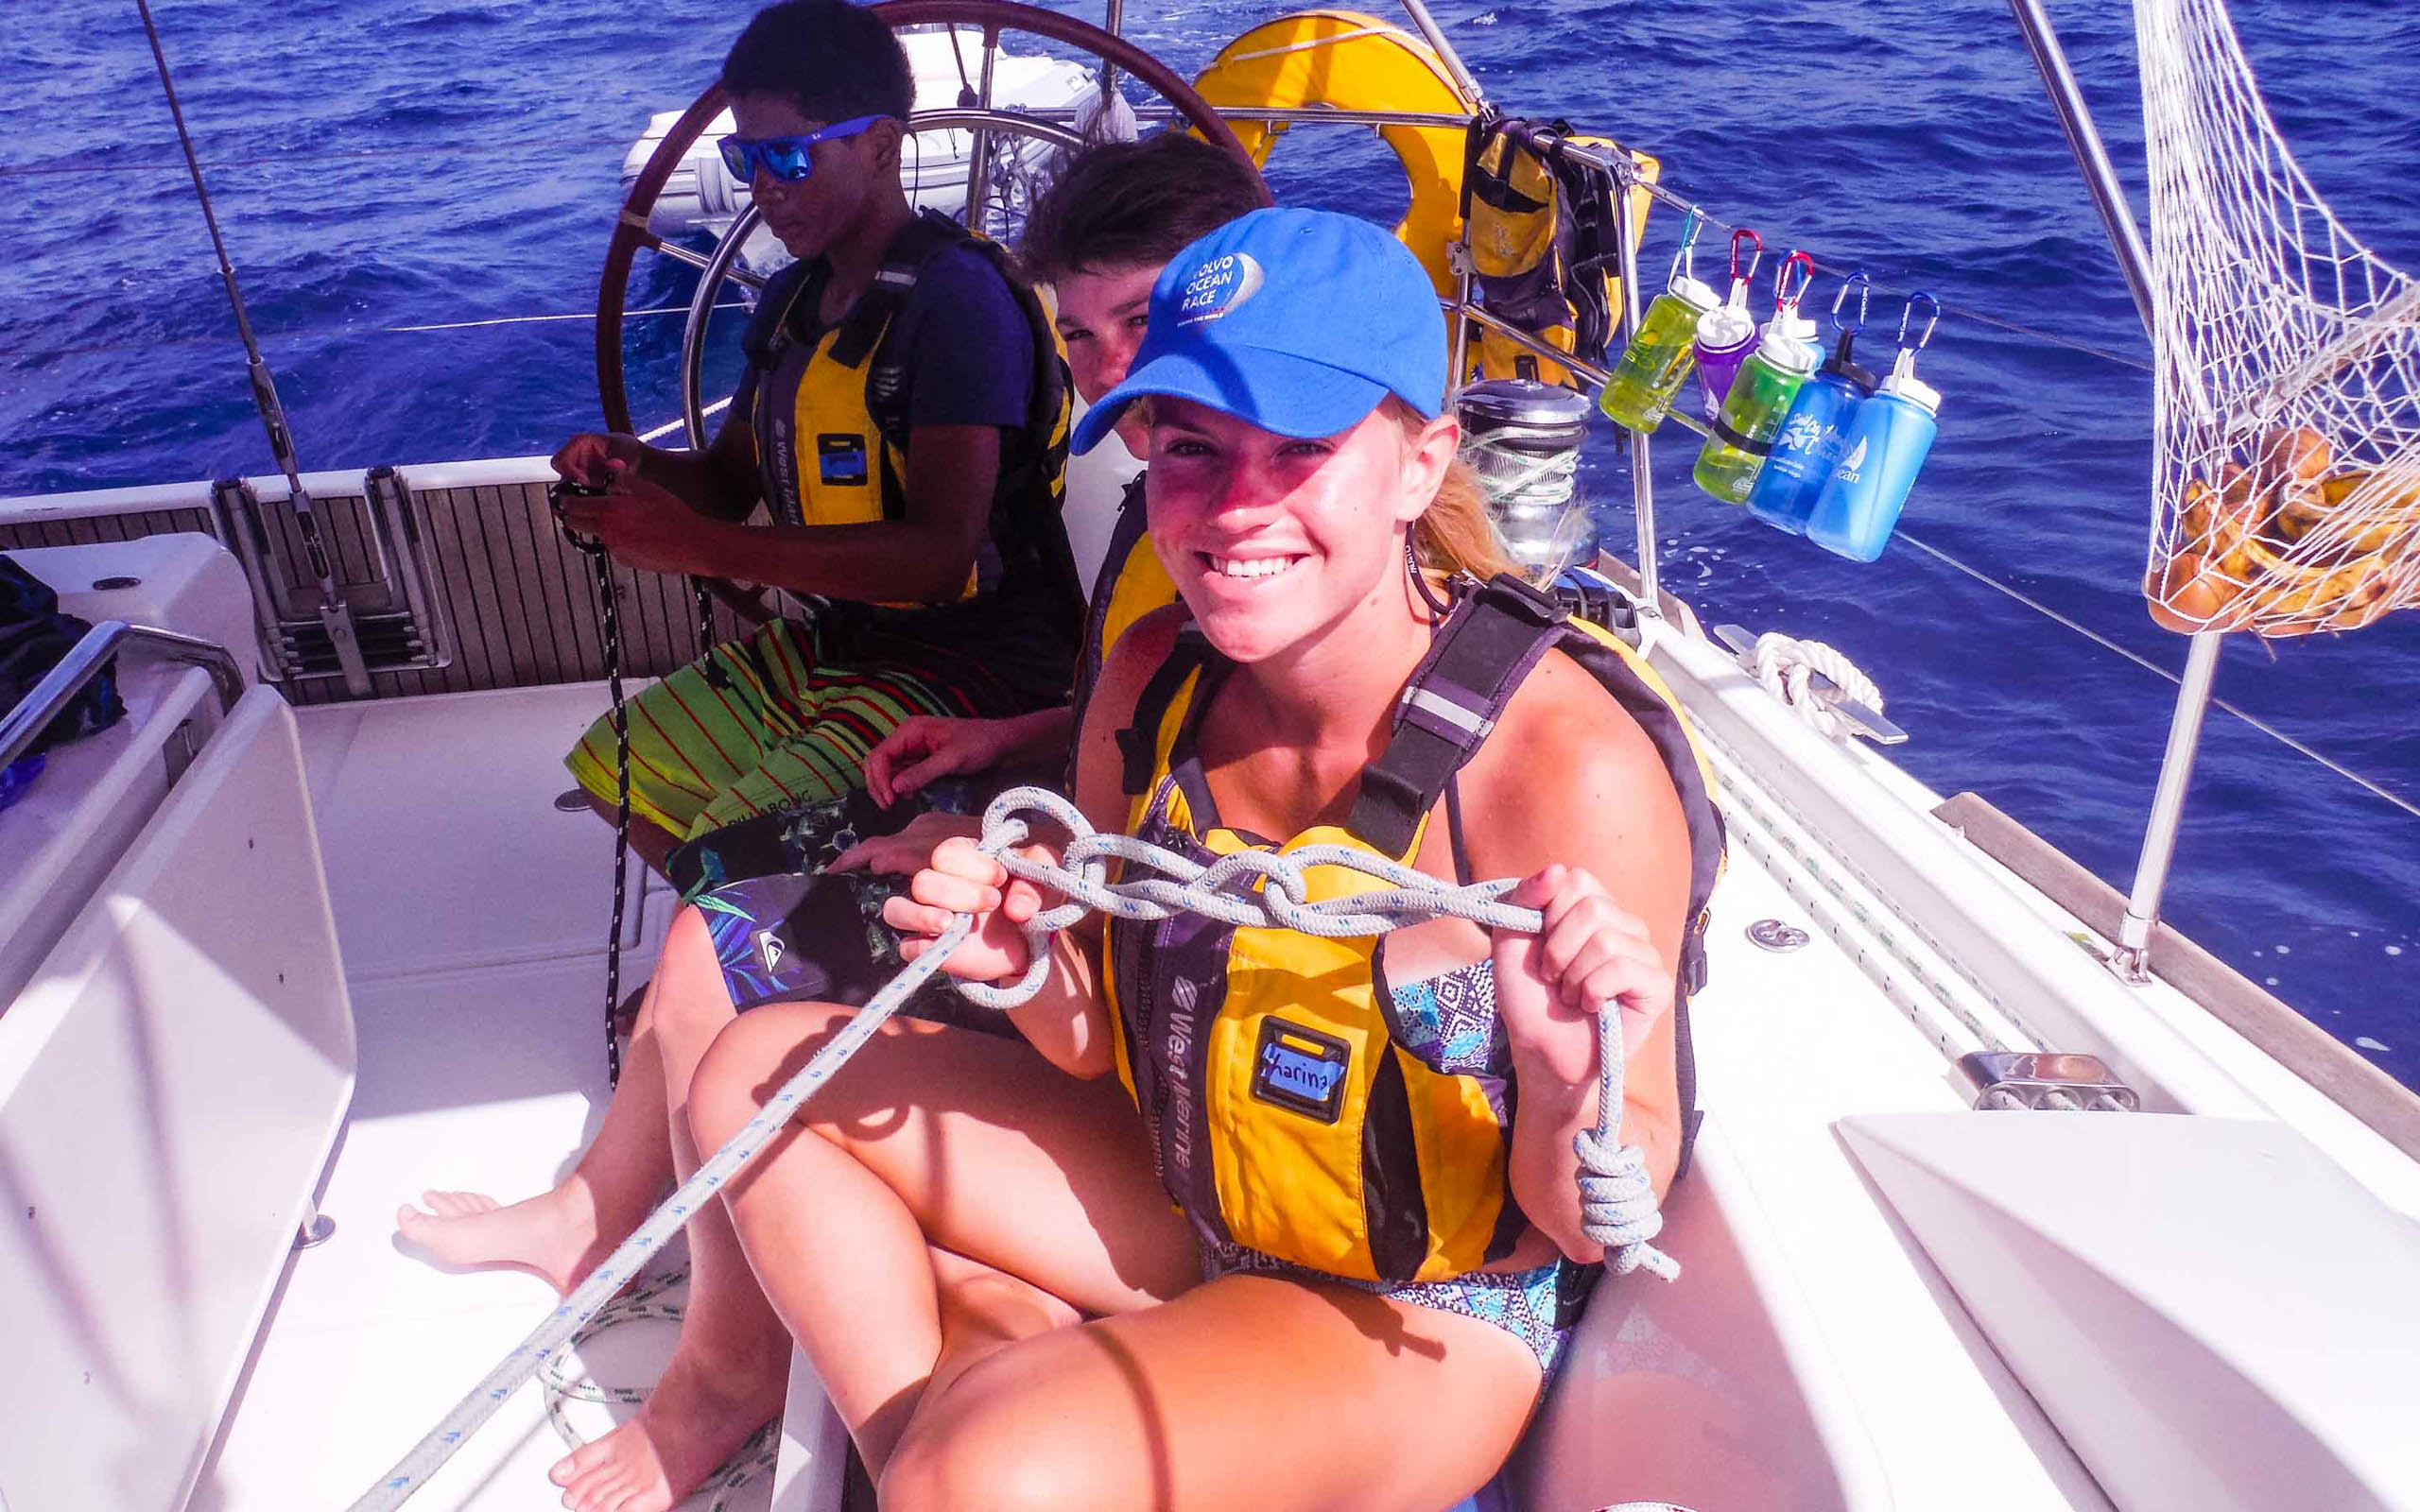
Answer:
(1617, 1201)
(1788, 669)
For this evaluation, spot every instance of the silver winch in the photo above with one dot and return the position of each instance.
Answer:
(1523, 440)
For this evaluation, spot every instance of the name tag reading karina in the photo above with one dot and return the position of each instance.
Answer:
(1301, 1070)
(840, 461)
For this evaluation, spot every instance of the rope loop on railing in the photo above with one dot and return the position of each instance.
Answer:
(1788, 669)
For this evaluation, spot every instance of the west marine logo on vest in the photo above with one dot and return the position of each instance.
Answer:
(1178, 1049)
(1217, 287)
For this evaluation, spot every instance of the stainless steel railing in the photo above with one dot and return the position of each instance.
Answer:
(80, 666)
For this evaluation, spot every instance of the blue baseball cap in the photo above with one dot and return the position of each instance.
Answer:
(1298, 321)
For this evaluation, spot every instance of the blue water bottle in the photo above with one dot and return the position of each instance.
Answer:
(1809, 446)
(1885, 447)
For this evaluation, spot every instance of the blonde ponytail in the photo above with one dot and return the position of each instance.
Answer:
(1456, 533)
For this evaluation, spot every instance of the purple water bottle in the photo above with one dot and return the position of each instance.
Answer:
(1810, 442)
(1886, 445)
(1727, 333)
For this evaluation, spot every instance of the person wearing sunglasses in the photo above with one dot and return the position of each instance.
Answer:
(902, 418)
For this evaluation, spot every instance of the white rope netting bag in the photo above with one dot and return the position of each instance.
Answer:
(2286, 497)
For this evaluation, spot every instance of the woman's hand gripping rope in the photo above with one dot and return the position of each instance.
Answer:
(1590, 959)
(1595, 958)
(1010, 931)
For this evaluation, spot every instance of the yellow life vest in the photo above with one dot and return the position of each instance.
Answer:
(834, 448)
(1292, 1115)
(1542, 228)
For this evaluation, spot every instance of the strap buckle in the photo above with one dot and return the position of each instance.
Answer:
(1514, 595)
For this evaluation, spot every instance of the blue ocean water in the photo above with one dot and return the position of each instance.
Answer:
(436, 163)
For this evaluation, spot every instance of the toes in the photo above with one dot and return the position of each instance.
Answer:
(630, 1494)
(602, 1477)
(598, 1490)
(570, 1467)
(589, 1459)
(458, 1204)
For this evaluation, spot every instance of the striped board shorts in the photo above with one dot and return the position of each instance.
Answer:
(757, 726)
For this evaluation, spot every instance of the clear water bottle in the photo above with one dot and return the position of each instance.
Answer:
(1809, 443)
(1727, 333)
(1658, 359)
(1522, 438)
(1881, 453)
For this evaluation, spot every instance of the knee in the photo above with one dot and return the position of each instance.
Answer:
(728, 1086)
(1002, 1460)
(748, 1062)
(688, 998)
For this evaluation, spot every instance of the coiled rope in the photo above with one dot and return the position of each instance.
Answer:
(1252, 889)
(1521, 475)
(1787, 667)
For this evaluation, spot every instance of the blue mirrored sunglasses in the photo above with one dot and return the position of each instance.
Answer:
(787, 157)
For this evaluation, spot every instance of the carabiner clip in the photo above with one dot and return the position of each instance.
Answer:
(1932, 318)
(1864, 286)
(1786, 294)
(1684, 261)
(1755, 254)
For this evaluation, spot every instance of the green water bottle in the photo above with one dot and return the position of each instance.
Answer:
(1657, 361)
(1743, 435)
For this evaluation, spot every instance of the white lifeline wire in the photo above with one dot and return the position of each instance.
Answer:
(2107, 645)
(1618, 1200)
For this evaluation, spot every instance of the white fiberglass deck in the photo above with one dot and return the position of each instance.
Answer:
(472, 918)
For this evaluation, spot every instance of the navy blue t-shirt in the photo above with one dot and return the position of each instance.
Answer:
(968, 355)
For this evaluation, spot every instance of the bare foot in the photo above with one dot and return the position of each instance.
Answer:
(553, 1235)
(696, 1417)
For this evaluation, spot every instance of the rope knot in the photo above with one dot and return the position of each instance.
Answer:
(1618, 1206)
(1788, 669)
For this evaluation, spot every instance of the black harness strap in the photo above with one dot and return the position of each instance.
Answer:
(1138, 743)
(1478, 657)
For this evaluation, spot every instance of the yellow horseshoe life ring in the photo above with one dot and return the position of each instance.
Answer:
(1355, 63)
